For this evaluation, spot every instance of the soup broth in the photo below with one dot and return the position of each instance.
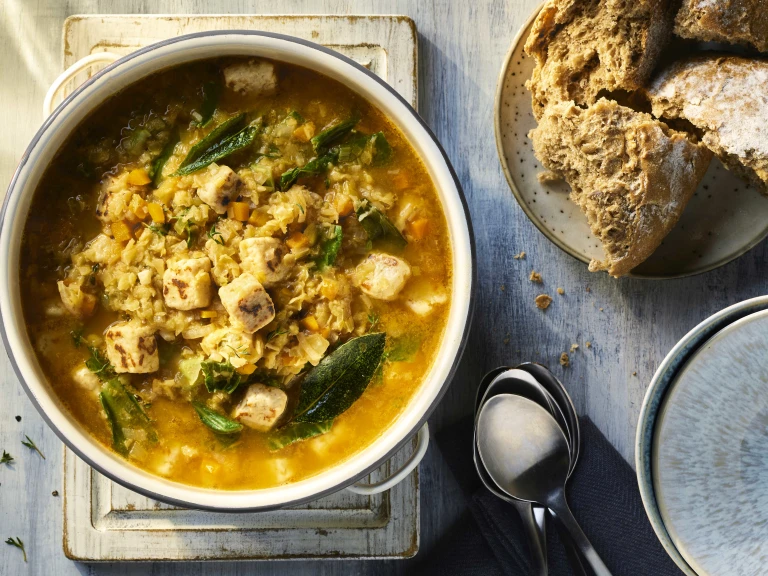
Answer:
(236, 273)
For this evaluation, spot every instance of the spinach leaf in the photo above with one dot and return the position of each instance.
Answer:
(382, 151)
(296, 116)
(123, 412)
(296, 432)
(211, 93)
(156, 168)
(220, 376)
(215, 421)
(99, 365)
(339, 379)
(311, 168)
(216, 136)
(333, 133)
(350, 150)
(235, 143)
(135, 142)
(378, 226)
(329, 248)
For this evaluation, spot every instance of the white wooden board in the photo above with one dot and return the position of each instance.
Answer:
(106, 522)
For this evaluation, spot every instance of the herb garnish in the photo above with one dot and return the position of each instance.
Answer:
(161, 230)
(373, 319)
(213, 233)
(276, 332)
(6, 458)
(31, 445)
(19, 544)
(220, 376)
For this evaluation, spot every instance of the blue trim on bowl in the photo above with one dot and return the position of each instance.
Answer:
(472, 273)
(660, 385)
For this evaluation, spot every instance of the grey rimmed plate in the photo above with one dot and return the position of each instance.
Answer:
(724, 219)
(649, 421)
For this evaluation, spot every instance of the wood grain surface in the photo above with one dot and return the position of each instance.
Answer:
(631, 323)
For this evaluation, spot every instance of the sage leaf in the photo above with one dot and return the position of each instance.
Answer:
(311, 168)
(123, 411)
(235, 143)
(333, 133)
(215, 421)
(220, 376)
(296, 432)
(378, 226)
(156, 168)
(340, 378)
(211, 93)
(216, 136)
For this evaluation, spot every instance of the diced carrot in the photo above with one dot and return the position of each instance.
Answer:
(208, 314)
(325, 332)
(258, 218)
(297, 240)
(121, 231)
(329, 291)
(418, 228)
(156, 212)
(247, 369)
(304, 132)
(310, 323)
(400, 180)
(239, 211)
(343, 204)
(139, 177)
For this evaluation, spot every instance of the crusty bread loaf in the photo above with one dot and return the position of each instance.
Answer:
(631, 174)
(732, 21)
(724, 97)
(584, 46)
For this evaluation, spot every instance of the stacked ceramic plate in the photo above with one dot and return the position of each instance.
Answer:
(702, 445)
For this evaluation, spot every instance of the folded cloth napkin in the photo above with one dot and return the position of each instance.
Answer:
(489, 539)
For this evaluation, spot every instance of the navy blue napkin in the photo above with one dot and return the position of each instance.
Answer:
(489, 539)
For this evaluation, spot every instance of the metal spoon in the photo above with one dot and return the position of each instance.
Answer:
(526, 454)
(534, 518)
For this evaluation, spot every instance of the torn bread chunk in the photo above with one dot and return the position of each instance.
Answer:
(268, 259)
(725, 98)
(730, 21)
(630, 174)
(249, 306)
(382, 276)
(254, 78)
(583, 47)
(219, 185)
(261, 407)
(187, 284)
(132, 347)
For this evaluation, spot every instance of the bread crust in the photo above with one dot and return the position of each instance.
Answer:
(724, 97)
(587, 46)
(630, 174)
(730, 21)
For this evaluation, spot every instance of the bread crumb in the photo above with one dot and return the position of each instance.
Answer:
(574, 347)
(543, 301)
(634, 373)
(601, 309)
(588, 289)
(535, 277)
(560, 291)
(520, 256)
(588, 344)
(503, 287)
(547, 176)
(565, 361)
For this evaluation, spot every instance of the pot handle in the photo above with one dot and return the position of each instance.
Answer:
(422, 443)
(71, 72)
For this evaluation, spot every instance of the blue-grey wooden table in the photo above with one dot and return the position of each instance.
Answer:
(630, 323)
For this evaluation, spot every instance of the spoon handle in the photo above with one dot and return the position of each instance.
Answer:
(574, 559)
(559, 507)
(537, 536)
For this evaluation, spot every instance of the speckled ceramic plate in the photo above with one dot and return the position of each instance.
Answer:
(710, 453)
(660, 384)
(723, 220)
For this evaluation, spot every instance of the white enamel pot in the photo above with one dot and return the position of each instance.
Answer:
(129, 69)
